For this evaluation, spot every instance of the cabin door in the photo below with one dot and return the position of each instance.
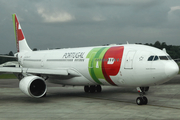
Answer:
(129, 60)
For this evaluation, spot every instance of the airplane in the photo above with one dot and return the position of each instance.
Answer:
(126, 65)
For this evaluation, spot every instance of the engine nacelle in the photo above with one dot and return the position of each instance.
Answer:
(33, 86)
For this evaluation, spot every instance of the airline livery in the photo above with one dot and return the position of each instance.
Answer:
(128, 65)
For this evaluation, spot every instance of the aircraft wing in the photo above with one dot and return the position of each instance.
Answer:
(7, 56)
(10, 70)
(46, 71)
(64, 72)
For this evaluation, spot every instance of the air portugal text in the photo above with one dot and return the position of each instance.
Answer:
(73, 55)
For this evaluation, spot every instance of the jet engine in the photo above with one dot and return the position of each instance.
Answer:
(33, 86)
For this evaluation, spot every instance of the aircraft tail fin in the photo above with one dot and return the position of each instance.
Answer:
(21, 43)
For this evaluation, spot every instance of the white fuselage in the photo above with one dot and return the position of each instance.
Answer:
(136, 68)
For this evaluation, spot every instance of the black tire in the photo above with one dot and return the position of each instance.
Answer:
(139, 101)
(98, 88)
(86, 89)
(145, 100)
(92, 88)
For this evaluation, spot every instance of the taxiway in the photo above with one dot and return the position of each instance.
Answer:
(72, 103)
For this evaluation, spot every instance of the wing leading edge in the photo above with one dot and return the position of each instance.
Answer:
(64, 72)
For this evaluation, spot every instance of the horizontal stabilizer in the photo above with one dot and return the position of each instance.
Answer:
(7, 56)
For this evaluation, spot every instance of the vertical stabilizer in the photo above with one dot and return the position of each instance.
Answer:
(21, 43)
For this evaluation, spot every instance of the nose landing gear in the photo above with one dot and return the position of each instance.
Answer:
(142, 100)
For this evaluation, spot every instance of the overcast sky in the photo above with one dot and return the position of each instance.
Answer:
(77, 23)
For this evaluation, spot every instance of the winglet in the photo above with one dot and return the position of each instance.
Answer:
(21, 43)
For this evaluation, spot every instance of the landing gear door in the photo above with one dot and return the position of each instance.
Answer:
(129, 60)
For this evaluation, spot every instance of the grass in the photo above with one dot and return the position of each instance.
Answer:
(7, 76)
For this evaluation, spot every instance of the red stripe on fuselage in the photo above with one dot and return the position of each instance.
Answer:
(109, 67)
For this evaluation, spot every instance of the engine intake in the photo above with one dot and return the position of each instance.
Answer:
(33, 86)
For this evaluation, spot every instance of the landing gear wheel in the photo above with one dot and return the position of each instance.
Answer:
(92, 88)
(86, 89)
(145, 100)
(139, 100)
(142, 100)
(98, 88)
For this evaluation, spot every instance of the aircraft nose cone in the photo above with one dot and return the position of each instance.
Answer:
(171, 69)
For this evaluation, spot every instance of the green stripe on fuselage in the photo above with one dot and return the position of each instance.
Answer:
(95, 63)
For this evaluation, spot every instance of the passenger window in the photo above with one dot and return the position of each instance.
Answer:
(150, 58)
(163, 58)
(156, 58)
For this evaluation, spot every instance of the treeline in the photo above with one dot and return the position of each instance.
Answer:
(172, 50)
(6, 59)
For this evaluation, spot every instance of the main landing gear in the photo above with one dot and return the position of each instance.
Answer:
(142, 100)
(92, 88)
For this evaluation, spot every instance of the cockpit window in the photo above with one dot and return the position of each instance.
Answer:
(156, 58)
(153, 58)
(169, 57)
(163, 57)
(150, 58)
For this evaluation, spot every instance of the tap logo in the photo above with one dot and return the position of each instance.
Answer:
(105, 62)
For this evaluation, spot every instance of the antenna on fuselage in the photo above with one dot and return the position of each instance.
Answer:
(127, 42)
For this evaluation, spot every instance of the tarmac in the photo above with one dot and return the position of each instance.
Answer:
(72, 103)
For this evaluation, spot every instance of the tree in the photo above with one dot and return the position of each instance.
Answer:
(35, 49)
(163, 45)
(157, 44)
(11, 53)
